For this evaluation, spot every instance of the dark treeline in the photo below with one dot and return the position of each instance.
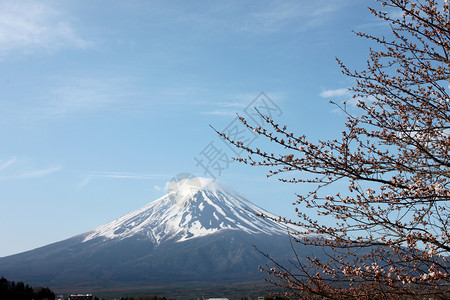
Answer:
(144, 298)
(20, 291)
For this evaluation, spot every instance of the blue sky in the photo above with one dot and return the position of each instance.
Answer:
(103, 102)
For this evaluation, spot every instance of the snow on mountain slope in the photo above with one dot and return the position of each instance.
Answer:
(193, 208)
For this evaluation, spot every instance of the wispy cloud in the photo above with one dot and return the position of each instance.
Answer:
(6, 164)
(278, 15)
(36, 173)
(20, 168)
(80, 95)
(235, 105)
(226, 113)
(335, 93)
(254, 17)
(30, 26)
(375, 23)
(88, 177)
(343, 95)
(231, 106)
(72, 96)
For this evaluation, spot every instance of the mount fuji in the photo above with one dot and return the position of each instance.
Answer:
(193, 208)
(202, 230)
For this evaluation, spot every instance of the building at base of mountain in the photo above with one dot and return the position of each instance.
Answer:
(80, 297)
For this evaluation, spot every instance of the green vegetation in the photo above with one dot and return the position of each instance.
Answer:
(144, 298)
(21, 291)
(227, 289)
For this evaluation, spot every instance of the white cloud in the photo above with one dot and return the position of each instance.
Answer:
(227, 113)
(72, 96)
(37, 173)
(20, 168)
(85, 95)
(125, 175)
(254, 17)
(344, 96)
(279, 14)
(30, 26)
(6, 164)
(120, 175)
(236, 104)
(335, 93)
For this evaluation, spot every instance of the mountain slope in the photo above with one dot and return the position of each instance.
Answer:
(201, 230)
(197, 207)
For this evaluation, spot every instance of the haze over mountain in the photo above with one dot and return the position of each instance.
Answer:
(202, 230)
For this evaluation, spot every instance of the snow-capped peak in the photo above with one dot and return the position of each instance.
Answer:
(184, 190)
(194, 207)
